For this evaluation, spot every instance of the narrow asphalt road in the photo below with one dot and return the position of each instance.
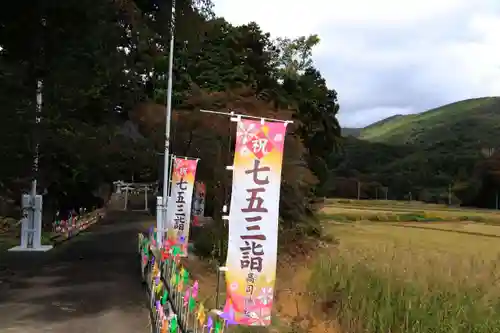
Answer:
(90, 284)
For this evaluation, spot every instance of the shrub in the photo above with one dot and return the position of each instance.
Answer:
(207, 243)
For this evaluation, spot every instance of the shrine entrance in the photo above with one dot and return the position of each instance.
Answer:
(132, 196)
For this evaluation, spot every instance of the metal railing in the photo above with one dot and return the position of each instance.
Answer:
(68, 228)
(173, 295)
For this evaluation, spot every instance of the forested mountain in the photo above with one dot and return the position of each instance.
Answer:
(355, 132)
(425, 154)
(104, 63)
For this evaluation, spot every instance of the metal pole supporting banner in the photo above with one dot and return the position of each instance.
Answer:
(232, 114)
(159, 219)
(187, 157)
(170, 168)
(168, 114)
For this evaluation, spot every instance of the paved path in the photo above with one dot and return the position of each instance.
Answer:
(90, 284)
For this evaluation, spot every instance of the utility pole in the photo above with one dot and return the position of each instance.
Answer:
(168, 116)
(38, 118)
(359, 189)
(37, 142)
(32, 203)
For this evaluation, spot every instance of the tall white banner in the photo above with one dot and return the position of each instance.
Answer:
(253, 222)
(183, 175)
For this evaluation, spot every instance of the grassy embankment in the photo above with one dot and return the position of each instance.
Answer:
(391, 273)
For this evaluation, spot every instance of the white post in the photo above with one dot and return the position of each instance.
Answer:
(25, 220)
(31, 225)
(126, 197)
(146, 198)
(37, 219)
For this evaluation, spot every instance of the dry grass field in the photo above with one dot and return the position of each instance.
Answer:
(416, 268)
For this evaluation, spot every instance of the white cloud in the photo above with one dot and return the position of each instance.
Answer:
(390, 56)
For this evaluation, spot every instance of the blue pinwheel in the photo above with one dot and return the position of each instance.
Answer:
(229, 316)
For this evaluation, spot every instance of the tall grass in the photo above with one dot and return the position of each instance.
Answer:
(393, 288)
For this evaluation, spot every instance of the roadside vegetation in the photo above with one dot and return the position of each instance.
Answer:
(383, 278)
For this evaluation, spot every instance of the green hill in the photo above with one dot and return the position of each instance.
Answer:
(423, 153)
(474, 122)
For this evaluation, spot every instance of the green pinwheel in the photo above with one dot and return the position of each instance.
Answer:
(173, 324)
(191, 304)
(164, 297)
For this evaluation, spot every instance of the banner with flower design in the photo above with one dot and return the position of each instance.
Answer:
(199, 201)
(253, 222)
(179, 212)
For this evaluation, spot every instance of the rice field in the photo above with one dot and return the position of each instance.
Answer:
(439, 272)
(381, 210)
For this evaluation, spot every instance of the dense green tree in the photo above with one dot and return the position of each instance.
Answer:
(104, 64)
(294, 55)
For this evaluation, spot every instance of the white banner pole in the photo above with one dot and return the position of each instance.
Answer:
(232, 114)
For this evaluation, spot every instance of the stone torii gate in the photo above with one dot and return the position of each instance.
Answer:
(126, 188)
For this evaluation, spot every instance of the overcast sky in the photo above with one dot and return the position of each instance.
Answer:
(389, 57)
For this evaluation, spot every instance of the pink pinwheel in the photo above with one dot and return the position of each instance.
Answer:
(169, 243)
(194, 289)
(186, 298)
(161, 312)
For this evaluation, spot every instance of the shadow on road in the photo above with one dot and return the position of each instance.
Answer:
(90, 284)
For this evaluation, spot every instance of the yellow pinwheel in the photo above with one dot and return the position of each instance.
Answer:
(200, 314)
(159, 287)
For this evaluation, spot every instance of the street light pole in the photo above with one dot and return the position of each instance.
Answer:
(168, 116)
